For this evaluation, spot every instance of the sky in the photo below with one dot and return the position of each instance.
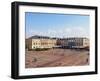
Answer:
(56, 25)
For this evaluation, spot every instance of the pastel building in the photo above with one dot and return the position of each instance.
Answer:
(75, 42)
(47, 42)
(40, 42)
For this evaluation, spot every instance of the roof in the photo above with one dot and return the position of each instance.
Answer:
(46, 37)
(39, 37)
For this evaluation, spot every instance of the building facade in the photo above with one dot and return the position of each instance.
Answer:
(40, 42)
(47, 42)
(75, 42)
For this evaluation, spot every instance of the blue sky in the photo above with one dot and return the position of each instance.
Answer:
(56, 25)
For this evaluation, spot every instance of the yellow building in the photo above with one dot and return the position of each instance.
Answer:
(40, 42)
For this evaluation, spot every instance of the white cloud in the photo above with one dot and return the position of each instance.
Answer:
(63, 32)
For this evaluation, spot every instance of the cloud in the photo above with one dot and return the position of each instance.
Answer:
(63, 32)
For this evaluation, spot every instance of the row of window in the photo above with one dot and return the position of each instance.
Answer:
(41, 47)
(43, 43)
